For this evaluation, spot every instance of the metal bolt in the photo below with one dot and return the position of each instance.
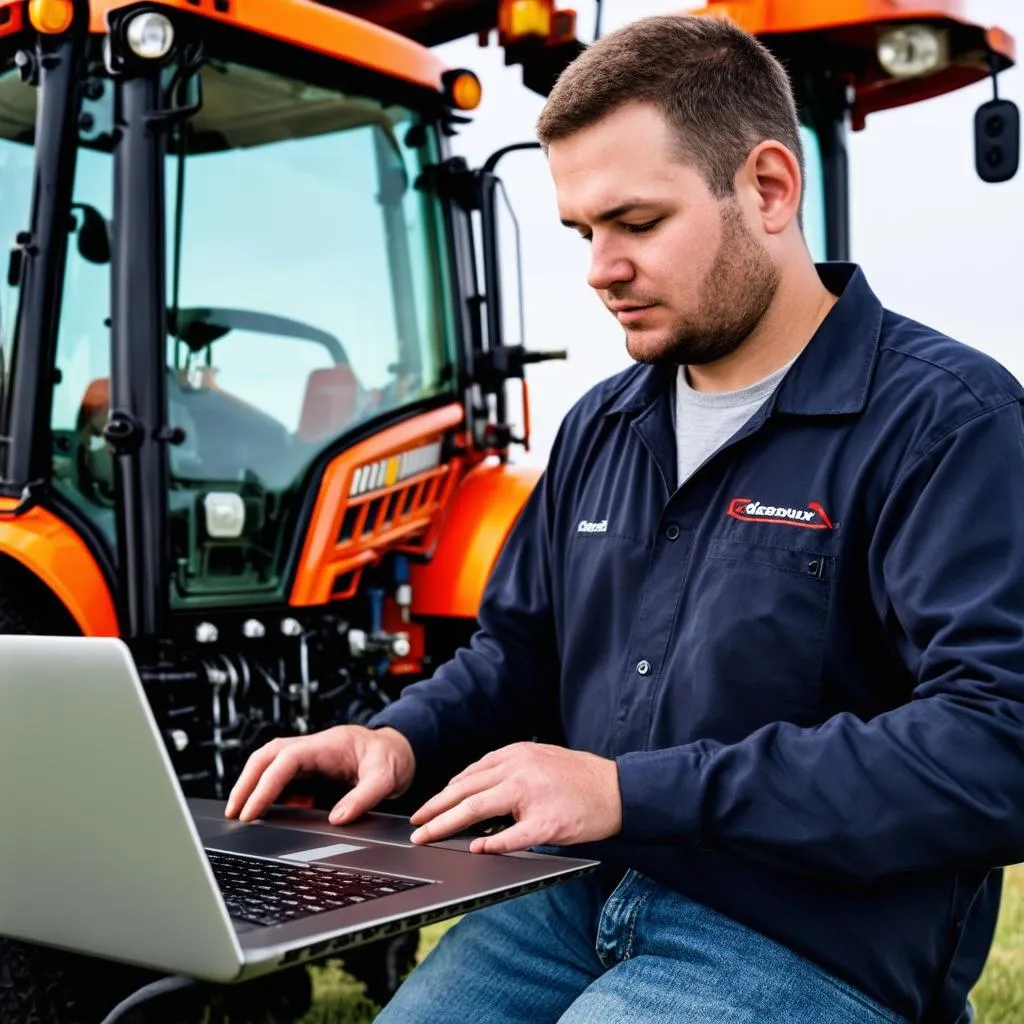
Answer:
(400, 645)
(207, 633)
(253, 629)
(291, 627)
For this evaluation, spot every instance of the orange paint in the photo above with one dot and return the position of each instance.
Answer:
(768, 17)
(853, 25)
(483, 511)
(1002, 42)
(313, 27)
(58, 556)
(381, 519)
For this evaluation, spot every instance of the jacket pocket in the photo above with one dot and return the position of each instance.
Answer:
(757, 622)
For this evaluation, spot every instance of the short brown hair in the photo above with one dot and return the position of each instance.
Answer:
(720, 90)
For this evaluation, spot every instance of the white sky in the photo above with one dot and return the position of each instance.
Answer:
(936, 242)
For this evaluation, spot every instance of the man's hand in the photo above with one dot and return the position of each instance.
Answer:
(379, 762)
(556, 795)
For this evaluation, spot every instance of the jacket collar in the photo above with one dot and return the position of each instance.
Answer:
(831, 376)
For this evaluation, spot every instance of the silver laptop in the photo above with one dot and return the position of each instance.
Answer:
(100, 853)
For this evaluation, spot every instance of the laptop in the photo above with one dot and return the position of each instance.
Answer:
(100, 852)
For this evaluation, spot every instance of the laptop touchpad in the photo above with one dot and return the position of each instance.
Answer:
(285, 843)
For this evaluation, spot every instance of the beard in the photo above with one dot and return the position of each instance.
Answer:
(733, 300)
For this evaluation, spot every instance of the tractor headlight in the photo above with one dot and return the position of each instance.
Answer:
(910, 51)
(225, 514)
(150, 35)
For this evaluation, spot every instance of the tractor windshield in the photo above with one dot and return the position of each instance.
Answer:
(307, 294)
(305, 283)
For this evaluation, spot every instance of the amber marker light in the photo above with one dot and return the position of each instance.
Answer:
(462, 89)
(521, 18)
(51, 17)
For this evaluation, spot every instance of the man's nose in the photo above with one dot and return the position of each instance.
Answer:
(608, 266)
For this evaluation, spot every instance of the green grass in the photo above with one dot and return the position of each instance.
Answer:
(339, 998)
(999, 997)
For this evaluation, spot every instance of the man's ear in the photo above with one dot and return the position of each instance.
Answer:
(770, 179)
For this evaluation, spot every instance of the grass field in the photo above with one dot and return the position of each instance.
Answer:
(999, 997)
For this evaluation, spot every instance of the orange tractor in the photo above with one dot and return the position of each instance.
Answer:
(254, 393)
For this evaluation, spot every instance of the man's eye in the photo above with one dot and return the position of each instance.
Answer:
(641, 229)
(587, 237)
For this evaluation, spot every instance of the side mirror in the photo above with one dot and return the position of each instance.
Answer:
(503, 277)
(505, 356)
(996, 133)
(93, 235)
(997, 140)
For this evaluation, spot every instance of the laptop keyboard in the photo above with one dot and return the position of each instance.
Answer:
(269, 892)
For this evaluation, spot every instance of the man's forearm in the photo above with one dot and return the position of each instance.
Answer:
(849, 798)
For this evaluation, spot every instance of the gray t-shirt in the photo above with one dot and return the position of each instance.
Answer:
(705, 420)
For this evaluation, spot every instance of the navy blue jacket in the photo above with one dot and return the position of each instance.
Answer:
(807, 661)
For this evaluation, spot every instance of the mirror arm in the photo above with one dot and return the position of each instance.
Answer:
(495, 157)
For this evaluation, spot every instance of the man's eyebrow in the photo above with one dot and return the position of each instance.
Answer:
(616, 211)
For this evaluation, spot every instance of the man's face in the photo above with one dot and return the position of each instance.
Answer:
(680, 269)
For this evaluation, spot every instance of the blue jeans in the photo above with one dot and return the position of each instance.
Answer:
(643, 954)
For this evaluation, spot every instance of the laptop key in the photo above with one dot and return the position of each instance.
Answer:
(268, 892)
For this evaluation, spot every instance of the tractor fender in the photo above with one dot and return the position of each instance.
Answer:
(52, 551)
(481, 512)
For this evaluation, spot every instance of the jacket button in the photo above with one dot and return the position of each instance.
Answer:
(643, 667)
(672, 531)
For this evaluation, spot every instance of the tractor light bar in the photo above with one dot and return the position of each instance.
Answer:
(386, 472)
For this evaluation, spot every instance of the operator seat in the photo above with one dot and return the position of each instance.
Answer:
(330, 402)
(94, 466)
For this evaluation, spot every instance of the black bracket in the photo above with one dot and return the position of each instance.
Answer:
(123, 433)
(452, 180)
(171, 435)
(493, 367)
(31, 495)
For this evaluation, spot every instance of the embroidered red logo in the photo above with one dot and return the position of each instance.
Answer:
(813, 517)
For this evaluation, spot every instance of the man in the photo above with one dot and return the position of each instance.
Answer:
(770, 590)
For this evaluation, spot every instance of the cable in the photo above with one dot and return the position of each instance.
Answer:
(154, 990)
(597, 20)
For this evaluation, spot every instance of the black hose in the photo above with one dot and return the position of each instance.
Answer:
(154, 990)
